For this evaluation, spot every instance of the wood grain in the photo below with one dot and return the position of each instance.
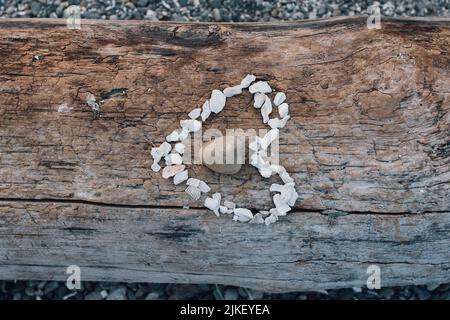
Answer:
(368, 140)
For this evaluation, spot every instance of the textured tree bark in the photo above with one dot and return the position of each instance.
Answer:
(367, 144)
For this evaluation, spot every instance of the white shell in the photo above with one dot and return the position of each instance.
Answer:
(213, 205)
(229, 204)
(173, 158)
(279, 98)
(266, 109)
(203, 187)
(217, 196)
(260, 86)
(271, 219)
(180, 177)
(259, 100)
(170, 171)
(194, 114)
(282, 207)
(277, 123)
(206, 111)
(193, 192)
(232, 91)
(257, 218)
(179, 148)
(247, 81)
(264, 213)
(193, 182)
(191, 125)
(242, 214)
(223, 209)
(283, 110)
(217, 101)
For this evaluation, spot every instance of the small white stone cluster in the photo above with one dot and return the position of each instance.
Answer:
(285, 194)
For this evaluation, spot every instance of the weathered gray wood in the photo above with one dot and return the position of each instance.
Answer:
(369, 137)
(305, 251)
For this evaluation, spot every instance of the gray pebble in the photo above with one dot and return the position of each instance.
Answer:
(216, 14)
(119, 293)
(231, 294)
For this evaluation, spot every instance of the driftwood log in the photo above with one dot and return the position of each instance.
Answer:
(367, 144)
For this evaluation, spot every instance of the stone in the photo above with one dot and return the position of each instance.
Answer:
(279, 98)
(179, 148)
(259, 99)
(283, 110)
(217, 101)
(173, 158)
(247, 81)
(232, 91)
(260, 86)
(194, 114)
(206, 111)
(221, 155)
(191, 125)
(242, 215)
(213, 205)
(266, 109)
(276, 123)
(170, 171)
(180, 177)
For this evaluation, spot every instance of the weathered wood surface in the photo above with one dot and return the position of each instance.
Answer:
(369, 138)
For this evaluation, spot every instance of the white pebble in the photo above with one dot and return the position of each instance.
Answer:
(191, 125)
(247, 81)
(264, 213)
(259, 99)
(279, 98)
(193, 192)
(204, 187)
(232, 91)
(277, 123)
(183, 134)
(270, 219)
(229, 204)
(258, 218)
(223, 209)
(266, 109)
(179, 147)
(170, 171)
(206, 111)
(173, 158)
(217, 101)
(269, 138)
(193, 182)
(260, 86)
(281, 206)
(161, 151)
(194, 114)
(286, 177)
(283, 110)
(213, 205)
(155, 167)
(174, 136)
(242, 214)
(217, 196)
(180, 177)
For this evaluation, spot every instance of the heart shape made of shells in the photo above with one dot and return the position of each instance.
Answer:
(285, 194)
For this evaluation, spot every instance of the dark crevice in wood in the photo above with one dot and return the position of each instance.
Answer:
(330, 213)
